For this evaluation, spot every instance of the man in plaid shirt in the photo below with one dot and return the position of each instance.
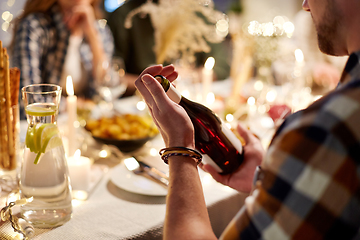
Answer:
(308, 186)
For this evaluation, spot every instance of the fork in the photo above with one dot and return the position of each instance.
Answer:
(141, 168)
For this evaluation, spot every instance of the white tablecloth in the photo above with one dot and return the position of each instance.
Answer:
(113, 213)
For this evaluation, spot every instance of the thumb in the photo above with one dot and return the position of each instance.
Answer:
(155, 89)
(245, 133)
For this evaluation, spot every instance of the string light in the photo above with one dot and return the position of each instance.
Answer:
(7, 15)
(277, 27)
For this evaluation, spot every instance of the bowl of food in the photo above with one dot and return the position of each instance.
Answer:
(128, 132)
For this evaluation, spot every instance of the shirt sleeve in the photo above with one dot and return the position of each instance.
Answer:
(28, 49)
(107, 42)
(309, 188)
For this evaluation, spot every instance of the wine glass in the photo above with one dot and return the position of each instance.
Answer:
(114, 84)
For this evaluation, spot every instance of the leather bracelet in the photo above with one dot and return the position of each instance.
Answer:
(165, 153)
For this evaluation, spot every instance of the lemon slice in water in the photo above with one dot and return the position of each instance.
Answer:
(29, 140)
(42, 137)
(41, 109)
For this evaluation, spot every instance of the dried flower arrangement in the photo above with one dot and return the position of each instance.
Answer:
(182, 27)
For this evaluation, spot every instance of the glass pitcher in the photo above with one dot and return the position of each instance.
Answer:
(44, 172)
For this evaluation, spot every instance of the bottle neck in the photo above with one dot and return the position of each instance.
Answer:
(174, 94)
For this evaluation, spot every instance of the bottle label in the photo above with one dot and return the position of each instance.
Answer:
(234, 141)
(173, 94)
(232, 138)
(207, 160)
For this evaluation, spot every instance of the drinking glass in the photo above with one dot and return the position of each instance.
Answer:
(44, 172)
(114, 84)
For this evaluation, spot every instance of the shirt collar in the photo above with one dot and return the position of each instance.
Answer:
(351, 70)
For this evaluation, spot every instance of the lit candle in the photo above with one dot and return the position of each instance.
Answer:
(79, 171)
(299, 63)
(207, 77)
(71, 105)
(251, 105)
(299, 80)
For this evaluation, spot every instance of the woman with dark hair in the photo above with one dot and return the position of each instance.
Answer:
(56, 38)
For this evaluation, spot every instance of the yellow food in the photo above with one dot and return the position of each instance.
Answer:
(122, 127)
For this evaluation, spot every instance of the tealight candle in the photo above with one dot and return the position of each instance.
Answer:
(207, 77)
(79, 171)
(71, 105)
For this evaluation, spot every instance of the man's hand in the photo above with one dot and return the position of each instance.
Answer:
(171, 119)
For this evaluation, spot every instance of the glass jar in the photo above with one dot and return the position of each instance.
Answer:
(44, 171)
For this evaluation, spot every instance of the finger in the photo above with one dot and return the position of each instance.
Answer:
(167, 70)
(144, 91)
(245, 133)
(153, 70)
(172, 76)
(156, 90)
(153, 115)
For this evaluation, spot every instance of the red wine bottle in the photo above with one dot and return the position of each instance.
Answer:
(218, 144)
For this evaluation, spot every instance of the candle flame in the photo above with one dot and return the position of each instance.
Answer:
(69, 86)
(77, 154)
(251, 101)
(210, 62)
(299, 55)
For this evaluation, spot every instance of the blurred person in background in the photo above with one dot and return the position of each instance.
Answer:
(308, 183)
(56, 38)
(135, 45)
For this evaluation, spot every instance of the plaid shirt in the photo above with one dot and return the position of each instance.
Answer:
(310, 185)
(41, 42)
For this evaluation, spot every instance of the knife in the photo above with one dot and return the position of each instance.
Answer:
(141, 168)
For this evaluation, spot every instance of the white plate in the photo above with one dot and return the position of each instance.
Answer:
(129, 181)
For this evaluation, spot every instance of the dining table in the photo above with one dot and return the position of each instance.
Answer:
(120, 204)
(111, 212)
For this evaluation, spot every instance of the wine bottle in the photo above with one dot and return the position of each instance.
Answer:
(218, 144)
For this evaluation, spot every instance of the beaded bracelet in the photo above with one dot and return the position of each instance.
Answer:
(165, 153)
